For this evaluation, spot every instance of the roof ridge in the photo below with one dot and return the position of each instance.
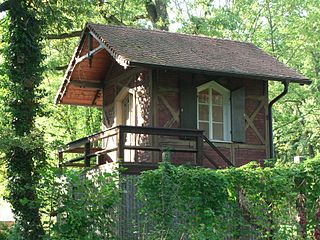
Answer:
(168, 32)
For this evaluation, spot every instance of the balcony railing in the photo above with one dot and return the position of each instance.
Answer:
(121, 139)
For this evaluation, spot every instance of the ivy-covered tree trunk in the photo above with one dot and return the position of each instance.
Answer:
(158, 14)
(23, 59)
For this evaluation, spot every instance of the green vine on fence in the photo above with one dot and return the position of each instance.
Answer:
(85, 205)
(197, 203)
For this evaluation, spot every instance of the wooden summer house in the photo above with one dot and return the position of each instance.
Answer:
(203, 99)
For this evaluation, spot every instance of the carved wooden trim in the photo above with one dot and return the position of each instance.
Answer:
(126, 74)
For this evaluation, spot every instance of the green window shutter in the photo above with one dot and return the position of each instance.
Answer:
(237, 115)
(188, 105)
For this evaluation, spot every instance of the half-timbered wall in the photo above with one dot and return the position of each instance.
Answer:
(118, 85)
(158, 100)
(167, 98)
(135, 81)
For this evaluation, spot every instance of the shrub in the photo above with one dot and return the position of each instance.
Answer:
(85, 205)
(280, 202)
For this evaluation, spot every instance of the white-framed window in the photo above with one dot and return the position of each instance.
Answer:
(213, 111)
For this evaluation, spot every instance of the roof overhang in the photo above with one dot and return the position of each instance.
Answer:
(94, 56)
(83, 80)
(225, 74)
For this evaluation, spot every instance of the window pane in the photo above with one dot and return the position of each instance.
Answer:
(204, 112)
(204, 96)
(217, 114)
(217, 131)
(216, 98)
(204, 126)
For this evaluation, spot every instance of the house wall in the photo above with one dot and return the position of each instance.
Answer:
(136, 80)
(157, 100)
(167, 105)
(6, 214)
(120, 82)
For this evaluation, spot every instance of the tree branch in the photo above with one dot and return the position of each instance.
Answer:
(64, 35)
(138, 17)
(60, 68)
(5, 6)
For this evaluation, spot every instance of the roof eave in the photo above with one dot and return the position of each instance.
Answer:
(120, 59)
(82, 105)
(230, 73)
(123, 61)
(68, 72)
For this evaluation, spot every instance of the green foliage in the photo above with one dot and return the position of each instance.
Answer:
(12, 233)
(3, 232)
(181, 202)
(20, 140)
(85, 205)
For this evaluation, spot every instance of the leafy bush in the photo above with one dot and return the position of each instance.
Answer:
(85, 205)
(183, 201)
(281, 202)
(10, 233)
(3, 231)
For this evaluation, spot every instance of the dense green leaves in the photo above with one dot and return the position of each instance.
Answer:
(248, 201)
(85, 205)
(179, 199)
(24, 156)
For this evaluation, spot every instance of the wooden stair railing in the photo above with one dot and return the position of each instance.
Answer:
(210, 160)
(85, 145)
(229, 163)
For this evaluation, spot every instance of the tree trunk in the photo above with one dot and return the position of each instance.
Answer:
(24, 71)
(158, 14)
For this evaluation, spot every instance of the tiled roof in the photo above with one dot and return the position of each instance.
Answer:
(130, 47)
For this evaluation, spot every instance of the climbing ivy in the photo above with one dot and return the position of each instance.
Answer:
(20, 141)
(281, 202)
(84, 204)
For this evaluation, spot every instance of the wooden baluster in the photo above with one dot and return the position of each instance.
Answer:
(199, 155)
(86, 154)
(60, 157)
(121, 145)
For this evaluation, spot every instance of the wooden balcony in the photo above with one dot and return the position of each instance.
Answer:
(138, 148)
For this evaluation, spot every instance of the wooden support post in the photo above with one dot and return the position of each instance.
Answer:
(233, 153)
(121, 145)
(199, 143)
(90, 49)
(153, 79)
(100, 159)
(86, 154)
(60, 157)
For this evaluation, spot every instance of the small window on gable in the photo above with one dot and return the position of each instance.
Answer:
(214, 115)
